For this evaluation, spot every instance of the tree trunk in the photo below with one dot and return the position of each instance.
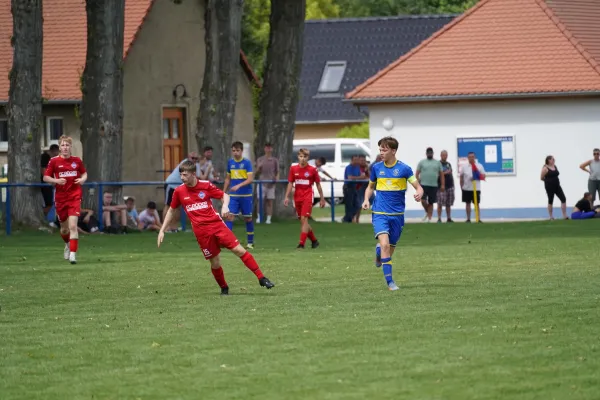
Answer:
(218, 96)
(102, 90)
(279, 94)
(24, 109)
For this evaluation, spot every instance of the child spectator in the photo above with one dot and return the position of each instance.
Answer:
(149, 220)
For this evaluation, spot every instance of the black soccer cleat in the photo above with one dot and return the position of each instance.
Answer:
(224, 291)
(315, 244)
(300, 246)
(266, 283)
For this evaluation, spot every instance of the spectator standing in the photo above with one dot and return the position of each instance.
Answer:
(472, 172)
(351, 173)
(592, 167)
(149, 218)
(445, 198)
(361, 188)
(267, 169)
(429, 172)
(552, 185)
(48, 191)
(206, 169)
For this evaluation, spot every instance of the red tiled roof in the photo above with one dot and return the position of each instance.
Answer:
(65, 32)
(498, 47)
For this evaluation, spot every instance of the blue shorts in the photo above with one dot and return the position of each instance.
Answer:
(390, 224)
(241, 204)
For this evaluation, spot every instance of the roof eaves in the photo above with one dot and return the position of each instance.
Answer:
(424, 44)
(460, 97)
(139, 28)
(375, 19)
(332, 121)
(570, 37)
(57, 102)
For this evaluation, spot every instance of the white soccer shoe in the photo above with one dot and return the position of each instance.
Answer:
(392, 286)
(67, 251)
(72, 258)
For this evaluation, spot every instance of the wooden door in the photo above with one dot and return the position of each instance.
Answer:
(173, 128)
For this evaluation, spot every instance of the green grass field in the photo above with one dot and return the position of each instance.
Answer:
(489, 311)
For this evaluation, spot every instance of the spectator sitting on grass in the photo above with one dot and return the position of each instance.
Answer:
(133, 218)
(583, 208)
(149, 218)
(114, 215)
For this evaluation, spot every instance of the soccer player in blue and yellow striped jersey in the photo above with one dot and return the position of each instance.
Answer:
(390, 178)
(240, 177)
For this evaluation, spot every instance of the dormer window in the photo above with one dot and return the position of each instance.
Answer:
(332, 77)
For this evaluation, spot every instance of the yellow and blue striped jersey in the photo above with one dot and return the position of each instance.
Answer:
(239, 170)
(391, 183)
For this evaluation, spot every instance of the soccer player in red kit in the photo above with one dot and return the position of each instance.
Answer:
(210, 229)
(302, 177)
(67, 173)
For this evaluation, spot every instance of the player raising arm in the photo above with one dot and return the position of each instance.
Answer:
(211, 232)
(67, 173)
(389, 177)
(304, 176)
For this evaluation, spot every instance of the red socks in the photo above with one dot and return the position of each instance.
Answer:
(303, 236)
(65, 237)
(251, 264)
(310, 235)
(219, 277)
(73, 245)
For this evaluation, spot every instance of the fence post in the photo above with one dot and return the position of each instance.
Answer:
(8, 211)
(261, 213)
(100, 188)
(332, 203)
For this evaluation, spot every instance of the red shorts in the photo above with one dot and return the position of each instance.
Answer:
(66, 209)
(211, 238)
(303, 207)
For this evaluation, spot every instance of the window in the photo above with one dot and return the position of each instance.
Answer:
(317, 151)
(349, 150)
(3, 134)
(332, 77)
(54, 130)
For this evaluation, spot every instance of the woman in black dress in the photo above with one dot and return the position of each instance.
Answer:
(552, 184)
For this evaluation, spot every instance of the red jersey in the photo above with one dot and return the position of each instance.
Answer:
(196, 202)
(70, 169)
(303, 179)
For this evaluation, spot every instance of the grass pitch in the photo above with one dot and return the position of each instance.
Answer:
(485, 311)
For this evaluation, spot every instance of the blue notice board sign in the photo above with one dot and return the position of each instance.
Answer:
(496, 153)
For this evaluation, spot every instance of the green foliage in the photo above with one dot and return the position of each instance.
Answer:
(357, 131)
(255, 26)
(371, 8)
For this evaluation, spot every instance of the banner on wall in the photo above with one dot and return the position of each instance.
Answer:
(497, 154)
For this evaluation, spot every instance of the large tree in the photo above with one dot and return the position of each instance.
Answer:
(218, 96)
(102, 89)
(25, 111)
(279, 95)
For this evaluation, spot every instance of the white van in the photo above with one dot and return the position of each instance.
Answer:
(338, 153)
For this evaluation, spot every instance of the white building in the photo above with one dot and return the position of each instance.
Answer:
(509, 80)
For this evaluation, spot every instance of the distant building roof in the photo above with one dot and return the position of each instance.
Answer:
(65, 45)
(499, 48)
(355, 49)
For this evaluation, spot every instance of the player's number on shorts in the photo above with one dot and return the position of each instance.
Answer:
(206, 252)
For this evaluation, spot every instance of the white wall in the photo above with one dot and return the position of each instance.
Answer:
(568, 129)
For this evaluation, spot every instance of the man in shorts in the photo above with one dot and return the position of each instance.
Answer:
(445, 198)
(209, 228)
(267, 169)
(429, 170)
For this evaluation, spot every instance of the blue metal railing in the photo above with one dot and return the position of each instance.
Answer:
(99, 186)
